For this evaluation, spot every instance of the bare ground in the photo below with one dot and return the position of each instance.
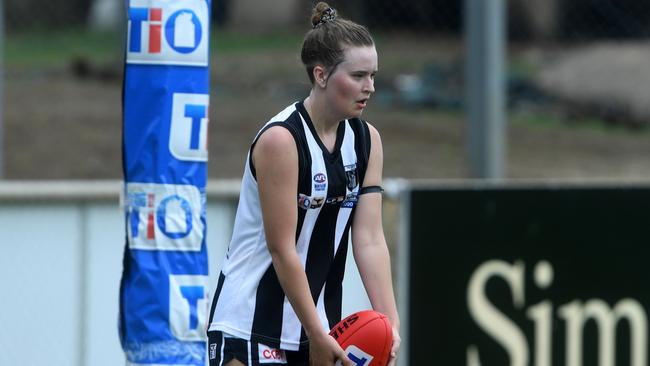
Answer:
(58, 126)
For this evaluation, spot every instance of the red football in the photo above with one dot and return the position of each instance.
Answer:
(366, 337)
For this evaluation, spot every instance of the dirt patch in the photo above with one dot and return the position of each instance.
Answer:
(58, 126)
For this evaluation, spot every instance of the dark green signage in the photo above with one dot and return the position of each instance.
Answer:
(523, 276)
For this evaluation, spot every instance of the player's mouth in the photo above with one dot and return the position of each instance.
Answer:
(362, 103)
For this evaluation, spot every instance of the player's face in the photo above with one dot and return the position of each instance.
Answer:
(353, 81)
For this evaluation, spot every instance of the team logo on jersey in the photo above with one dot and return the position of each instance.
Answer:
(168, 32)
(351, 176)
(164, 217)
(188, 306)
(188, 137)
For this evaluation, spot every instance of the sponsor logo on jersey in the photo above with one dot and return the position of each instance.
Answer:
(188, 304)
(168, 32)
(188, 137)
(271, 355)
(304, 201)
(317, 202)
(307, 202)
(350, 200)
(335, 200)
(164, 217)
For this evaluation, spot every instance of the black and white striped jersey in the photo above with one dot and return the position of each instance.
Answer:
(249, 302)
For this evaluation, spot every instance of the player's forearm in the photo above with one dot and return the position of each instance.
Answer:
(373, 261)
(293, 280)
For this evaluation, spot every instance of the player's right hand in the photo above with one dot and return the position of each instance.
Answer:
(325, 351)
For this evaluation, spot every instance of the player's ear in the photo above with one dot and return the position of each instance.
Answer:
(320, 76)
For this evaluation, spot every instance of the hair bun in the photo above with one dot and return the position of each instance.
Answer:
(322, 14)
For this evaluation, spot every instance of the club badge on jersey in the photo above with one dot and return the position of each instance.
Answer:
(163, 294)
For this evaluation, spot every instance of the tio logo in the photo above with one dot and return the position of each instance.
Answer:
(188, 306)
(164, 217)
(188, 137)
(575, 314)
(168, 32)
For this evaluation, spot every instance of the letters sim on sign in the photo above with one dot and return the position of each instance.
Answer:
(575, 314)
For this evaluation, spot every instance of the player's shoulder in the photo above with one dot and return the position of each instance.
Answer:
(276, 137)
(366, 128)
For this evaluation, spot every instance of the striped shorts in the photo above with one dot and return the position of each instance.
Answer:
(223, 348)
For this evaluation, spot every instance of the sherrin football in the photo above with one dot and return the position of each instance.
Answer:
(366, 337)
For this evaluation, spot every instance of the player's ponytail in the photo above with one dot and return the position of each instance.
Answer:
(329, 37)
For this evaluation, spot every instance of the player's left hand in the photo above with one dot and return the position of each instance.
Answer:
(396, 343)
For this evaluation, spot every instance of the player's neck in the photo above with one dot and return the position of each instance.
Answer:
(324, 122)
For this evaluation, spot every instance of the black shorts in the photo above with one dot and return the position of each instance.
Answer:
(223, 349)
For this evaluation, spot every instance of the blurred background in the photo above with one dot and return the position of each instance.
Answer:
(578, 85)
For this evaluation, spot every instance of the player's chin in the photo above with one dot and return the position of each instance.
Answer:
(357, 111)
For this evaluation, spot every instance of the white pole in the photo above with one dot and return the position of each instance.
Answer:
(485, 87)
(2, 111)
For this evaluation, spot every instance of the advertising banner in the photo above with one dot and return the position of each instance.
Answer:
(529, 276)
(163, 295)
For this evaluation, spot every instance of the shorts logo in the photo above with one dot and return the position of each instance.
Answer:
(164, 217)
(271, 355)
(171, 33)
(188, 138)
(213, 351)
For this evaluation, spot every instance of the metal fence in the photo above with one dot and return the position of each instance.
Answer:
(549, 19)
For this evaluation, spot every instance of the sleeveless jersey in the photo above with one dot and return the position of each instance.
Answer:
(249, 302)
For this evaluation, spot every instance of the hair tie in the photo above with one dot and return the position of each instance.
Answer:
(328, 15)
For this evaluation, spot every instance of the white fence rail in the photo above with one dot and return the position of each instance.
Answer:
(62, 245)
